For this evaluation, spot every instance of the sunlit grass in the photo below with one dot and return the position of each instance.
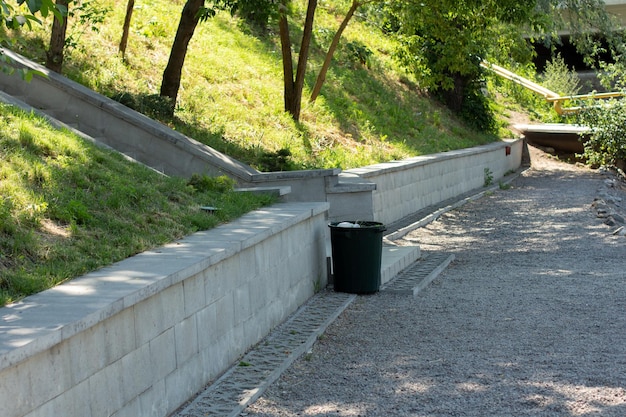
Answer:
(68, 207)
(232, 91)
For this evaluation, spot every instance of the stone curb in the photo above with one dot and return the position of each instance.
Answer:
(248, 379)
(400, 233)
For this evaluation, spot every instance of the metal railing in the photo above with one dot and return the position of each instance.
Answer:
(549, 95)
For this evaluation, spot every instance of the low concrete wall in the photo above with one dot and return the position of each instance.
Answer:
(146, 140)
(404, 187)
(139, 338)
(384, 192)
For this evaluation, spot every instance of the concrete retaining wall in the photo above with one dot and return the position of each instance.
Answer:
(404, 187)
(139, 338)
(145, 140)
(384, 192)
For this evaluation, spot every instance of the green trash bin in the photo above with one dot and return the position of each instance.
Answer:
(357, 252)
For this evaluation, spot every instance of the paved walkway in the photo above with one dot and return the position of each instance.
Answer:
(528, 320)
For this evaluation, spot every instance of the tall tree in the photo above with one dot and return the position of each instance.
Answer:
(54, 54)
(193, 12)
(189, 19)
(444, 41)
(259, 12)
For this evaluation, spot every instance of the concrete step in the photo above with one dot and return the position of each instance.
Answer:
(395, 259)
(414, 279)
(350, 183)
(278, 191)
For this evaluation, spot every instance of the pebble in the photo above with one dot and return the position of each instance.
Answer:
(607, 206)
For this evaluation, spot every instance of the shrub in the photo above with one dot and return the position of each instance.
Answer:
(607, 143)
(559, 78)
(358, 53)
(152, 105)
(275, 161)
(204, 183)
(257, 12)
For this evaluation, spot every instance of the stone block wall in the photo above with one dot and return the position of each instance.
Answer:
(407, 186)
(140, 337)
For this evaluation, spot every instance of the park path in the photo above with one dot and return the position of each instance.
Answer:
(529, 320)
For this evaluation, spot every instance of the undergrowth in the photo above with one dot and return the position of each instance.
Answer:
(231, 96)
(68, 207)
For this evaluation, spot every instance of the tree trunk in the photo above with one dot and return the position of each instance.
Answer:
(285, 42)
(172, 74)
(294, 87)
(54, 55)
(455, 97)
(129, 14)
(303, 58)
(321, 77)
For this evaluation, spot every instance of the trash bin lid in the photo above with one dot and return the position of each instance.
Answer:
(354, 224)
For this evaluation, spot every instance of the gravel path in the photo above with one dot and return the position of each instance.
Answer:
(529, 320)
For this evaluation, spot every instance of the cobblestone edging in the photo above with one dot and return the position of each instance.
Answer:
(248, 379)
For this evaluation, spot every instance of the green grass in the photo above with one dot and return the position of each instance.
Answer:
(231, 96)
(68, 207)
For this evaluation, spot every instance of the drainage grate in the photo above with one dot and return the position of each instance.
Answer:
(246, 381)
(417, 276)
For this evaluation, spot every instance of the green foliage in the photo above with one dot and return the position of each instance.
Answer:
(275, 161)
(476, 109)
(523, 99)
(613, 75)
(488, 177)
(607, 142)
(25, 14)
(443, 43)
(559, 78)
(358, 53)
(204, 183)
(593, 31)
(89, 15)
(504, 185)
(152, 105)
(258, 13)
(231, 96)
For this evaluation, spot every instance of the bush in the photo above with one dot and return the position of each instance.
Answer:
(275, 161)
(358, 53)
(204, 183)
(477, 112)
(257, 12)
(152, 105)
(607, 143)
(559, 78)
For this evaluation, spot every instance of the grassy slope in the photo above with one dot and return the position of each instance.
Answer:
(231, 95)
(68, 207)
